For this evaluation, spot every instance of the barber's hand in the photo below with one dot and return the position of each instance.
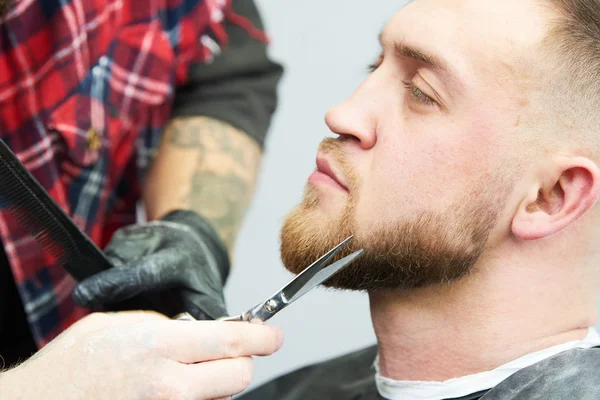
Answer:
(142, 355)
(178, 262)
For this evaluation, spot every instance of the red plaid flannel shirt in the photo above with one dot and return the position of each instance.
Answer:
(86, 87)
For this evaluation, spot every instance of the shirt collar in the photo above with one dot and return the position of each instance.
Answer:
(458, 387)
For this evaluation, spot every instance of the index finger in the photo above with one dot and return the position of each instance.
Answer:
(197, 341)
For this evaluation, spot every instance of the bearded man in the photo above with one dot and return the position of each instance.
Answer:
(466, 167)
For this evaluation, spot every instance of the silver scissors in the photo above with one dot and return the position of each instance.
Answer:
(304, 282)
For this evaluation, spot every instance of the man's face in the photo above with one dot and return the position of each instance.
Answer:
(430, 148)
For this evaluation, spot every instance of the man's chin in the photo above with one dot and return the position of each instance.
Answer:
(310, 231)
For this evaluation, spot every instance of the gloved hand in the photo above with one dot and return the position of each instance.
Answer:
(178, 263)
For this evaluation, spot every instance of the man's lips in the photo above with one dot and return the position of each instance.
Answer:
(326, 173)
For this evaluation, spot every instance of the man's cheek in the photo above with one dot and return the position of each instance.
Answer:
(372, 209)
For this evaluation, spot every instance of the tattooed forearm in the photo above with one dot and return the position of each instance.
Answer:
(212, 135)
(179, 133)
(207, 166)
(220, 198)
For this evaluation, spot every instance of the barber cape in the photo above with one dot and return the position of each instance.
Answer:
(570, 371)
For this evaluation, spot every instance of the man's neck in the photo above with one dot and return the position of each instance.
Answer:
(475, 325)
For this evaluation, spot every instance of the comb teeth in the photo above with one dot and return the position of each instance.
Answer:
(22, 205)
(29, 203)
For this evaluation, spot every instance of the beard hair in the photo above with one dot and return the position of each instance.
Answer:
(430, 248)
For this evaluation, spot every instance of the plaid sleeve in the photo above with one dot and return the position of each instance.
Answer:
(239, 86)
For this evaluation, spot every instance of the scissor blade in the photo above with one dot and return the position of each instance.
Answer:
(309, 272)
(324, 274)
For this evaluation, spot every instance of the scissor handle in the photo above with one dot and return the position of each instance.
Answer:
(184, 316)
(258, 315)
(236, 318)
(188, 317)
(262, 312)
(249, 316)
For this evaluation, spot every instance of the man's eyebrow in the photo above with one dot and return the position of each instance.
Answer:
(435, 62)
(411, 52)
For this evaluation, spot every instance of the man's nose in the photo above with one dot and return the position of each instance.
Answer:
(355, 118)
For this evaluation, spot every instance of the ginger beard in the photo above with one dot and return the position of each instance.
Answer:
(431, 248)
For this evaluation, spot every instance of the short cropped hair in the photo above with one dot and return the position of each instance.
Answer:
(573, 46)
(576, 34)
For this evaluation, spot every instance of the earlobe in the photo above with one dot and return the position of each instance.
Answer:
(530, 222)
(560, 199)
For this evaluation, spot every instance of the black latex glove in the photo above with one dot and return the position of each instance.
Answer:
(176, 264)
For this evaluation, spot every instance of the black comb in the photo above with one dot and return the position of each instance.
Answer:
(29, 203)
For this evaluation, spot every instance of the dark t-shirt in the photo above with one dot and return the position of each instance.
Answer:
(16, 341)
(570, 375)
(238, 87)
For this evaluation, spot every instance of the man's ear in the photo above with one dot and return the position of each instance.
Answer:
(562, 196)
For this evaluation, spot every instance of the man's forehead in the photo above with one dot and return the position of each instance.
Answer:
(471, 31)
(523, 20)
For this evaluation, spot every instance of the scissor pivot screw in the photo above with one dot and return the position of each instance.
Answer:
(271, 305)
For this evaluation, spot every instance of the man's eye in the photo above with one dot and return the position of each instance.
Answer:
(373, 67)
(418, 94)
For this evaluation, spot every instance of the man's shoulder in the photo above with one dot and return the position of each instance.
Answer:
(347, 377)
(572, 374)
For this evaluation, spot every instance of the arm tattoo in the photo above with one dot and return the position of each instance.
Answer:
(226, 163)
